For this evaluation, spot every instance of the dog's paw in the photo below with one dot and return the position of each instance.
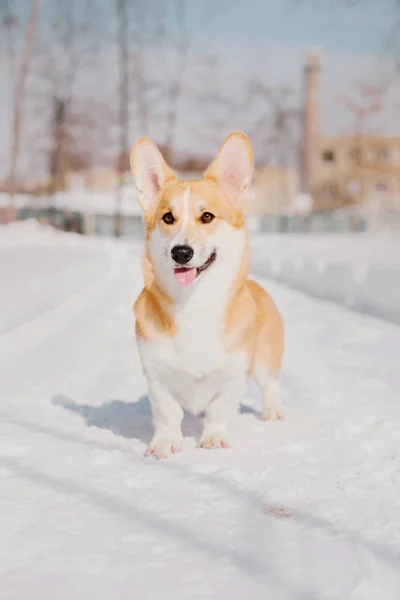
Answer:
(273, 413)
(213, 439)
(162, 447)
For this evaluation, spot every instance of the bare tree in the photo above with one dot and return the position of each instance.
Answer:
(269, 114)
(143, 33)
(177, 82)
(363, 102)
(276, 134)
(179, 32)
(275, 129)
(215, 110)
(19, 97)
(66, 49)
(8, 26)
(123, 117)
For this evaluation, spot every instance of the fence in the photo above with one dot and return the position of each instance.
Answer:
(342, 221)
(95, 215)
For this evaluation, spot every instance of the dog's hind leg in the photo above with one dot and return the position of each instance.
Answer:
(272, 409)
(268, 354)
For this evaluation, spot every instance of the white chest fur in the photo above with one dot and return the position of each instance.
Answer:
(192, 373)
(194, 365)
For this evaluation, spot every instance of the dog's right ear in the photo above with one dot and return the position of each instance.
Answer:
(150, 172)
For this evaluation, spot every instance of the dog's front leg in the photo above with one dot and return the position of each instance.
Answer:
(220, 412)
(167, 415)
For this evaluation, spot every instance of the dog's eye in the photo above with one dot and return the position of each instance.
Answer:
(168, 218)
(207, 217)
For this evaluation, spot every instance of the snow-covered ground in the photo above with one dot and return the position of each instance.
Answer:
(79, 200)
(361, 271)
(306, 508)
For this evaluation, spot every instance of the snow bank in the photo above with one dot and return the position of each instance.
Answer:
(32, 233)
(87, 202)
(41, 267)
(305, 508)
(361, 271)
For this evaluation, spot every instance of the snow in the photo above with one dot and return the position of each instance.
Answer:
(306, 508)
(87, 202)
(361, 271)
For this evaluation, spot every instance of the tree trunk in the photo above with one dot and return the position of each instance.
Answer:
(175, 90)
(123, 109)
(20, 97)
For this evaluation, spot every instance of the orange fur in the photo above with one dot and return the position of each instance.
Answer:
(252, 321)
(152, 308)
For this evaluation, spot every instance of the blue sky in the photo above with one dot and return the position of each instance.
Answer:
(264, 39)
(268, 39)
(329, 24)
(362, 29)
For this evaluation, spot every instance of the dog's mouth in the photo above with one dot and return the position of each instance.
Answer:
(187, 275)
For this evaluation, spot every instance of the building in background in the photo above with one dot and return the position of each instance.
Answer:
(344, 171)
(97, 179)
(357, 171)
(82, 211)
(272, 197)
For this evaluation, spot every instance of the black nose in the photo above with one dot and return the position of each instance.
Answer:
(182, 254)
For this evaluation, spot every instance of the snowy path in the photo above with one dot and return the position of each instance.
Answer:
(85, 515)
(361, 271)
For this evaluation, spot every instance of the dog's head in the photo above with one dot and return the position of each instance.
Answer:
(192, 226)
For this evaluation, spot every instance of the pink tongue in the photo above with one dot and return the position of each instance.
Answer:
(185, 276)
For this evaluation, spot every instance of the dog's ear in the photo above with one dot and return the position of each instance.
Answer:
(150, 172)
(232, 168)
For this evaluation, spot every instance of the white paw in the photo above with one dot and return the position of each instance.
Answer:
(273, 413)
(213, 439)
(164, 446)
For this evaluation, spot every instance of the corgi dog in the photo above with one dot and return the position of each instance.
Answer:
(202, 327)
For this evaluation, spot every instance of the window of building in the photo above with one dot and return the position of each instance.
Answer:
(382, 185)
(328, 155)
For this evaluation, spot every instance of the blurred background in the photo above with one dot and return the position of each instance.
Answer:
(314, 83)
(316, 86)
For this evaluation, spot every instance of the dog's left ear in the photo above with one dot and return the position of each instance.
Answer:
(232, 168)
